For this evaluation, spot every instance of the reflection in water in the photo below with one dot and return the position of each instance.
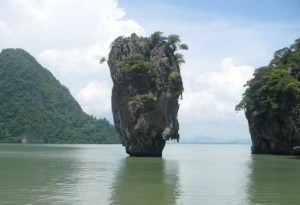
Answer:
(56, 174)
(274, 180)
(146, 181)
(213, 174)
(188, 174)
(30, 175)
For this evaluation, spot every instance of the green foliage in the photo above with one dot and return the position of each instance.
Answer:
(183, 47)
(157, 35)
(273, 88)
(144, 97)
(145, 101)
(139, 73)
(143, 79)
(171, 43)
(173, 39)
(176, 83)
(156, 38)
(174, 76)
(35, 106)
(136, 63)
(178, 58)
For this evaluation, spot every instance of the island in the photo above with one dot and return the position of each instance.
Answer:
(146, 87)
(36, 108)
(272, 104)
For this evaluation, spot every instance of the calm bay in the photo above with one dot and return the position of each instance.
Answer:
(186, 174)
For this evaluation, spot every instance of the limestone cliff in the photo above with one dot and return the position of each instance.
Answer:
(272, 104)
(147, 85)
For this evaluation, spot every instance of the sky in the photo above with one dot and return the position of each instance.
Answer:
(227, 40)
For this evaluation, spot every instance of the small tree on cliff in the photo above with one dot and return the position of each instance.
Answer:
(172, 43)
(156, 38)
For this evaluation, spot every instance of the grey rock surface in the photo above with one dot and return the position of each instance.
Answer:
(146, 87)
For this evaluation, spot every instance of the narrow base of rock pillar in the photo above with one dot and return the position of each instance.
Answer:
(145, 154)
(146, 150)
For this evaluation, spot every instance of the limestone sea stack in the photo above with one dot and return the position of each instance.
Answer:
(272, 104)
(146, 87)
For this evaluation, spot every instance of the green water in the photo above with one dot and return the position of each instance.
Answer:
(187, 174)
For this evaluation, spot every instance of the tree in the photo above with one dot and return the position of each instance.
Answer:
(157, 37)
(178, 57)
(274, 87)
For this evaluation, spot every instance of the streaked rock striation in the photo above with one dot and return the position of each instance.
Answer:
(147, 85)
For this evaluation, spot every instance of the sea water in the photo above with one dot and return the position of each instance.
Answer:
(187, 174)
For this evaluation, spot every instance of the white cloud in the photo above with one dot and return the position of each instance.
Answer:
(63, 24)
(95, 98)
(229, 80)
(4, 27)
(211, 96)
(76, 67)
(69, 37)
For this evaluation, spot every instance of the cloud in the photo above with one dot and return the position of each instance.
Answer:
(226, 82)
(63, 24)
(211, 96)
(4, 27)
(76, 67)
(95, 98)
(69, 37)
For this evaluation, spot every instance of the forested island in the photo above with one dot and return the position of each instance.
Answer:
(36, 108)
(272, 104)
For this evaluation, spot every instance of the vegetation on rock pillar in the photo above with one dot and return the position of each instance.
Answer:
(147, 84)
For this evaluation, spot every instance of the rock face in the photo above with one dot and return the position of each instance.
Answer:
(275, 136)
(272, 104)
(147, 85)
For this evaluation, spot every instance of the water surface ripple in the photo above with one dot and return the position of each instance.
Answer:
(187, 174)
